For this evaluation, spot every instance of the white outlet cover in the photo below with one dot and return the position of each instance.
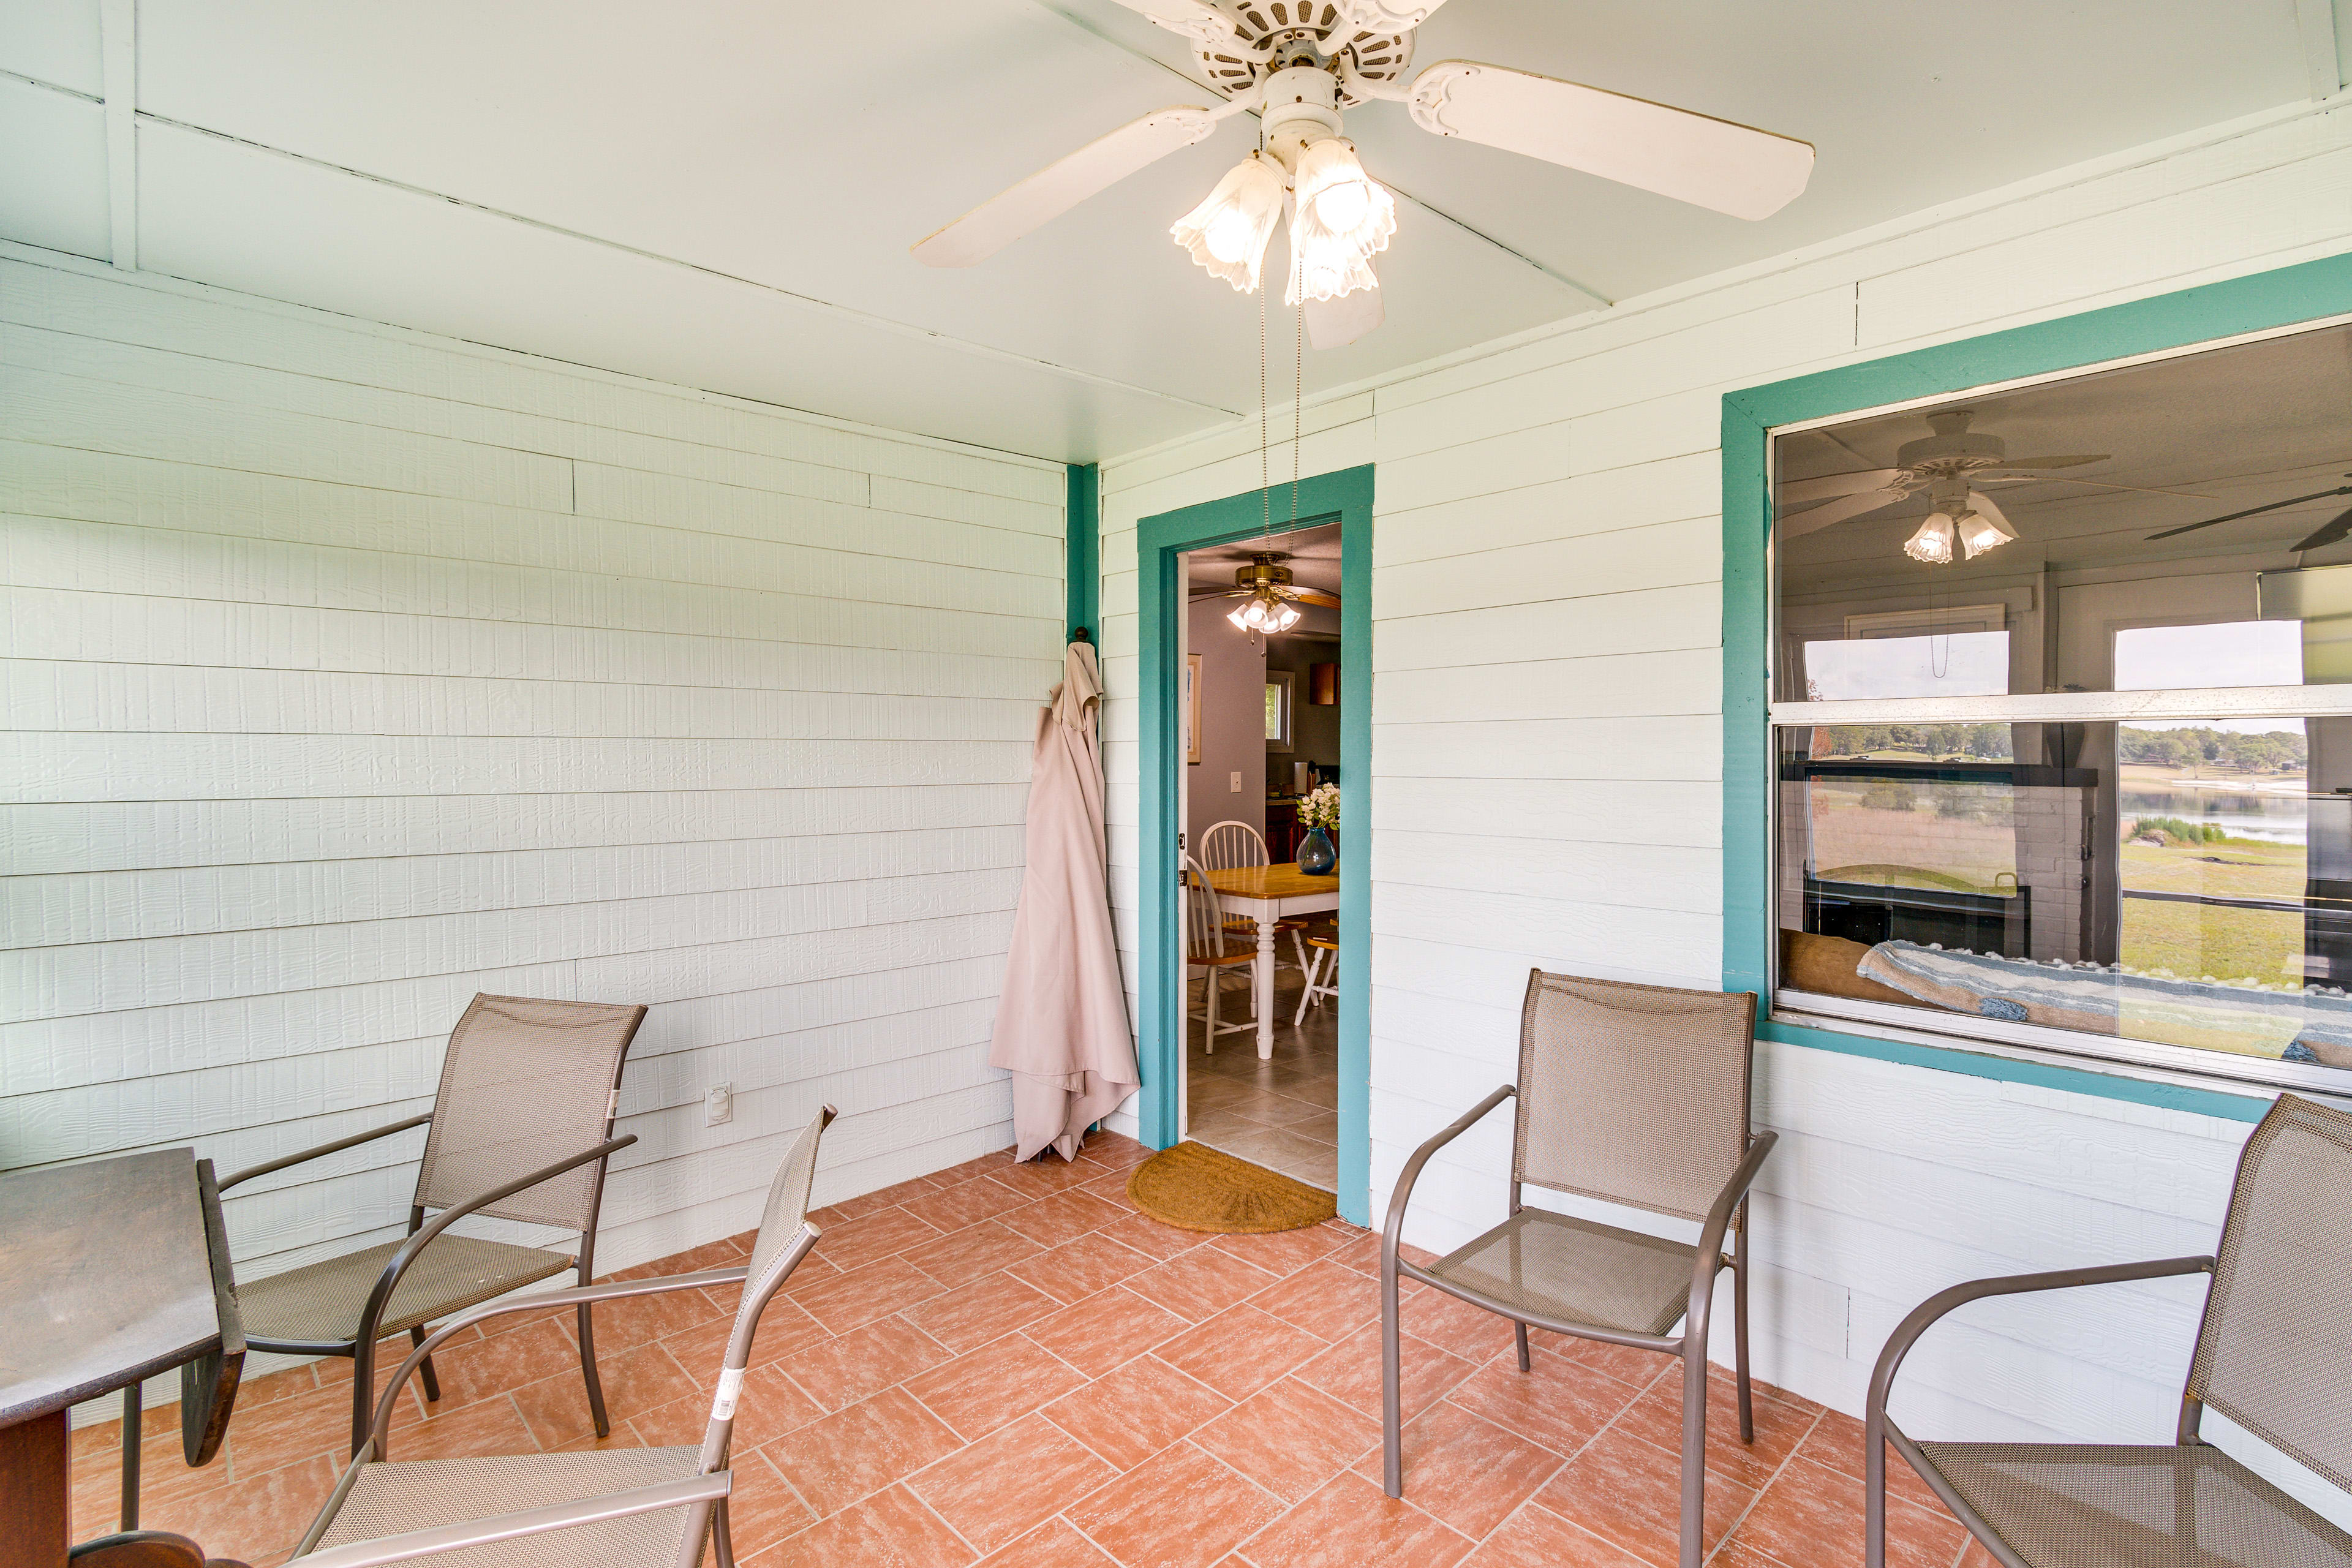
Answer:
(719, 1105)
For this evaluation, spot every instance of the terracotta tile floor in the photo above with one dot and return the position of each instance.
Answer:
(1006, 1362)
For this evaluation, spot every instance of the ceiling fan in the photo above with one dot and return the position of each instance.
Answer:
(1269, 600)
(2334, 531)
(1300, 63)
(1948, 465)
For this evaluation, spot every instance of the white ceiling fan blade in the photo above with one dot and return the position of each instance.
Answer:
(1838, 511)
(1692, 158)
(1193, 18)
(1801, 492)
(1060, 186)
(1380, 15)
(2070, 460)
(2009, 478)
(1982, 505)
(1335, 323)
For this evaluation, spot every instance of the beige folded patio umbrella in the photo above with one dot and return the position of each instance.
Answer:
(1062, 1025)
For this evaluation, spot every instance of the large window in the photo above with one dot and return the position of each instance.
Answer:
(2062, 709)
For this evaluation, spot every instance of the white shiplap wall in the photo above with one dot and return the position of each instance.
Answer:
(1546, 756)
(347, 671)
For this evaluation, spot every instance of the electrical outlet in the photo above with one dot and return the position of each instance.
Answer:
(718, 1104)
(1237, 783)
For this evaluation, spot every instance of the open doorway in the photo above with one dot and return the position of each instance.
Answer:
(1262, 732)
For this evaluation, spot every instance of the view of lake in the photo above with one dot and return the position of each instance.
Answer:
(2279, 818)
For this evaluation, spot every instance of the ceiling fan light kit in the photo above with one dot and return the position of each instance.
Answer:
(1299, 63)
(1227, 233)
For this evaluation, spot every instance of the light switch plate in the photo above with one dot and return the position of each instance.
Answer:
(719, 1105)
(1237, 783)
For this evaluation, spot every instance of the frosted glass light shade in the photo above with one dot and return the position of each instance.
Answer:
(1933, 542)
(1979, 533)
(1227, 233)
(1341, 218)
(1266, 613)
(1342, 200)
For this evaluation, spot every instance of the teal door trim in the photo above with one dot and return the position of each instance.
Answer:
(2313, 290)
(1344, 497)
(1082, 521)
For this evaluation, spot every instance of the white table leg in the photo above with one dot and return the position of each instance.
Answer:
(1262, 986)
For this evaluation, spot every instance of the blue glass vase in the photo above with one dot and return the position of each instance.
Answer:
(1316, 854)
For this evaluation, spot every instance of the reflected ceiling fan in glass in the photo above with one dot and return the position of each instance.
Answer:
(1948, 465)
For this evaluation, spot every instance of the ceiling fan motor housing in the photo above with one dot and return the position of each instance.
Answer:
(1301, 107)
(1263, 573)
(1954, 448)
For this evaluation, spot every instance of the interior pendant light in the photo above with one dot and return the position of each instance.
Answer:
(1933, 542)
(1227, 233)
(1340, 217)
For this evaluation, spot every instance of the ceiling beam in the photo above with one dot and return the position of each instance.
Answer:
(2315, 22)
(117, 24)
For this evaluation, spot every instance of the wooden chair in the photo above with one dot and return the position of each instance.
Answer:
(1211, 950)
(521, 1129)
(1231, 843)
(646, 1507)
(1325, 956)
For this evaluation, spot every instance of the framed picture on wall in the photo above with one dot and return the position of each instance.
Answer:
(1281, 687)
(1191, 707)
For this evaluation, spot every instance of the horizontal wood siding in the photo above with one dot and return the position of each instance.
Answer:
(1546, 768)
(348, 672)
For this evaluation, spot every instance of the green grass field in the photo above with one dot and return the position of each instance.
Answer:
(2195, 939)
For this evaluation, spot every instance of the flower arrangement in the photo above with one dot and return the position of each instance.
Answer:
(1320, 807)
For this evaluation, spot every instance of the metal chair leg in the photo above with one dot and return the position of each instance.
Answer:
(362, 1391)
(133, 1434)
(1694, 1513)
(432, 1380)
(1519, 1332)
(588, 1362)
(1392, 1438)
(722, 1544)
(1740, 1329)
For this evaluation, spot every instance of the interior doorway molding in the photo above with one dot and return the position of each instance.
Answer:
(1344, 497)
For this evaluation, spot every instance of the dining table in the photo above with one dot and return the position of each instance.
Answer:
(111, 1272)
(1270, 895)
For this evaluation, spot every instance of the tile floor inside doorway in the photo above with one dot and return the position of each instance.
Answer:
(1281, 1114)
(1006, 1363)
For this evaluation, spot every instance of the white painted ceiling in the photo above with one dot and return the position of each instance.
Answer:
(722, 194)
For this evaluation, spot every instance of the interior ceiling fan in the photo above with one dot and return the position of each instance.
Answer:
(1948, 465)
(1270, 600)
(1300, 63)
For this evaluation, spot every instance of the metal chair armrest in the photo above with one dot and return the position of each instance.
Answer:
(373, 1313)
(712, 1488)
(337, 1147)
(657, 1285)
(1924, 1316)
(1710, 1235)
(1394, 1229)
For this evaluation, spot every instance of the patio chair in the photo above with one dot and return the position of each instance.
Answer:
(1212, 948)
(1636, 1095)
(645, 1508)
(521, 1129)
(2271, 1355)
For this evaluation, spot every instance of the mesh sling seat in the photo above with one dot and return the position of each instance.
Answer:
(2271, 1355)
(521, 1129)
(1636, 1095)
(612, 1508)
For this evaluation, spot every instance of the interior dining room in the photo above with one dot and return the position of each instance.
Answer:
(1176, 784)
(1262, 737)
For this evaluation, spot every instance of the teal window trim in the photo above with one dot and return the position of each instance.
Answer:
(1083, 527)
(2267, 301)
(1344, 497)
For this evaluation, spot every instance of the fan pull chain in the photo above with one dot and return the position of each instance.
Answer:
(1298, 395)
(1264, 483)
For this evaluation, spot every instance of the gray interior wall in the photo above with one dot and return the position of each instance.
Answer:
(1232, 720)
